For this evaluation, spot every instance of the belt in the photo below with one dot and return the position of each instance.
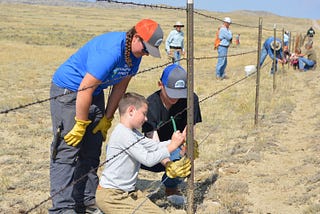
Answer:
(224, 46)
(172, 47)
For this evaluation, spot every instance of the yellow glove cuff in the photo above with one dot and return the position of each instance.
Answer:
(83, 123)
(74, 137)
(110, 119)
(103, 126)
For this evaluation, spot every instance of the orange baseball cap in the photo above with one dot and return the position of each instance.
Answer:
(152, 35)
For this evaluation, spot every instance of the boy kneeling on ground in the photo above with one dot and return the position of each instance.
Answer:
(127, 149)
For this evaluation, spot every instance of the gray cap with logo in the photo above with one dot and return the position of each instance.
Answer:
(174, 79)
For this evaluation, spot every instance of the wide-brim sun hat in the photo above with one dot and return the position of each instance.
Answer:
(227, 20)
(275, 45)
(152, 35)
(178, 24)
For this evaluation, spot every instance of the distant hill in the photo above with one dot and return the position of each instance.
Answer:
(104, 4)
(256, 12)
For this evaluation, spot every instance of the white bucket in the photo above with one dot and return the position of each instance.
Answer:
(250, 69)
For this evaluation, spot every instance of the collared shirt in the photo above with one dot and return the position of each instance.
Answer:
(225, 36)
(175, 39)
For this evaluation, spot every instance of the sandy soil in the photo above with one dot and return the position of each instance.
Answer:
(278, 171)
(286, 180)
(271, 169)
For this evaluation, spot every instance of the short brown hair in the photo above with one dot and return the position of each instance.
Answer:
(131, 98)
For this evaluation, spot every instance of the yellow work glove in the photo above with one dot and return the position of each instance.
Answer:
(74, 137)
(103, 126)
(180, 168)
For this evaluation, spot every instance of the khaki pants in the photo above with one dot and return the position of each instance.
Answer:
(115, 201)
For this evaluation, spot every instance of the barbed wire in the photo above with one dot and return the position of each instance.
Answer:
(143, 71)
(84, 176)
(106, 82)
(162, 124)
(177, 8)
(144, 5)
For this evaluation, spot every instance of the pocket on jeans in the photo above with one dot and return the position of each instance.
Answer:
(68, 97)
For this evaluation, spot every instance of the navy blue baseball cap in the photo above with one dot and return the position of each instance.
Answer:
(174, 79)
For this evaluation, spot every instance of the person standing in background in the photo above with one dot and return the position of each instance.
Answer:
(310, 32)
(80, 120)
(238, 39)
(286, 37)
(225, 36)
(175, 43)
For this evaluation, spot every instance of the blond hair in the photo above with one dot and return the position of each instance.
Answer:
(131, 99)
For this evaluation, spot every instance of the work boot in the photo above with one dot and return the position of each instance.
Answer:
(91, 209)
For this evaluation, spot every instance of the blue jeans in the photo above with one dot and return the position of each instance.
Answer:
(222, 61)
(264, 54)
(176, 57)
(305, 64)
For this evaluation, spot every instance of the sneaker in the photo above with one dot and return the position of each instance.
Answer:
(93, 209)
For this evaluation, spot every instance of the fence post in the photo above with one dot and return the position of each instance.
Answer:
(282, 47)
(274, 58)
(256, 115)
(190, 103)
(289, 49)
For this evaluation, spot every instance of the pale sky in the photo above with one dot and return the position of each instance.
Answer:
(291, 8)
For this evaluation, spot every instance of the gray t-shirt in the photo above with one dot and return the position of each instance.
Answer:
(127, 149)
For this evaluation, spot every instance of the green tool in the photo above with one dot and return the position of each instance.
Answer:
(173, 124)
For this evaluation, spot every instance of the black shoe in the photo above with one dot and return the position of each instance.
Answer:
(93, 209)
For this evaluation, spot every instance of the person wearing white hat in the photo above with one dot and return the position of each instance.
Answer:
(268, 48)
(175, 43)
(225, 36)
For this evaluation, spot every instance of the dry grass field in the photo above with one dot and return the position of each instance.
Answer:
(269, 168)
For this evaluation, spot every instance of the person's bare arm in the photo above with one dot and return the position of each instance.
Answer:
(84, 97)
(117, 92)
